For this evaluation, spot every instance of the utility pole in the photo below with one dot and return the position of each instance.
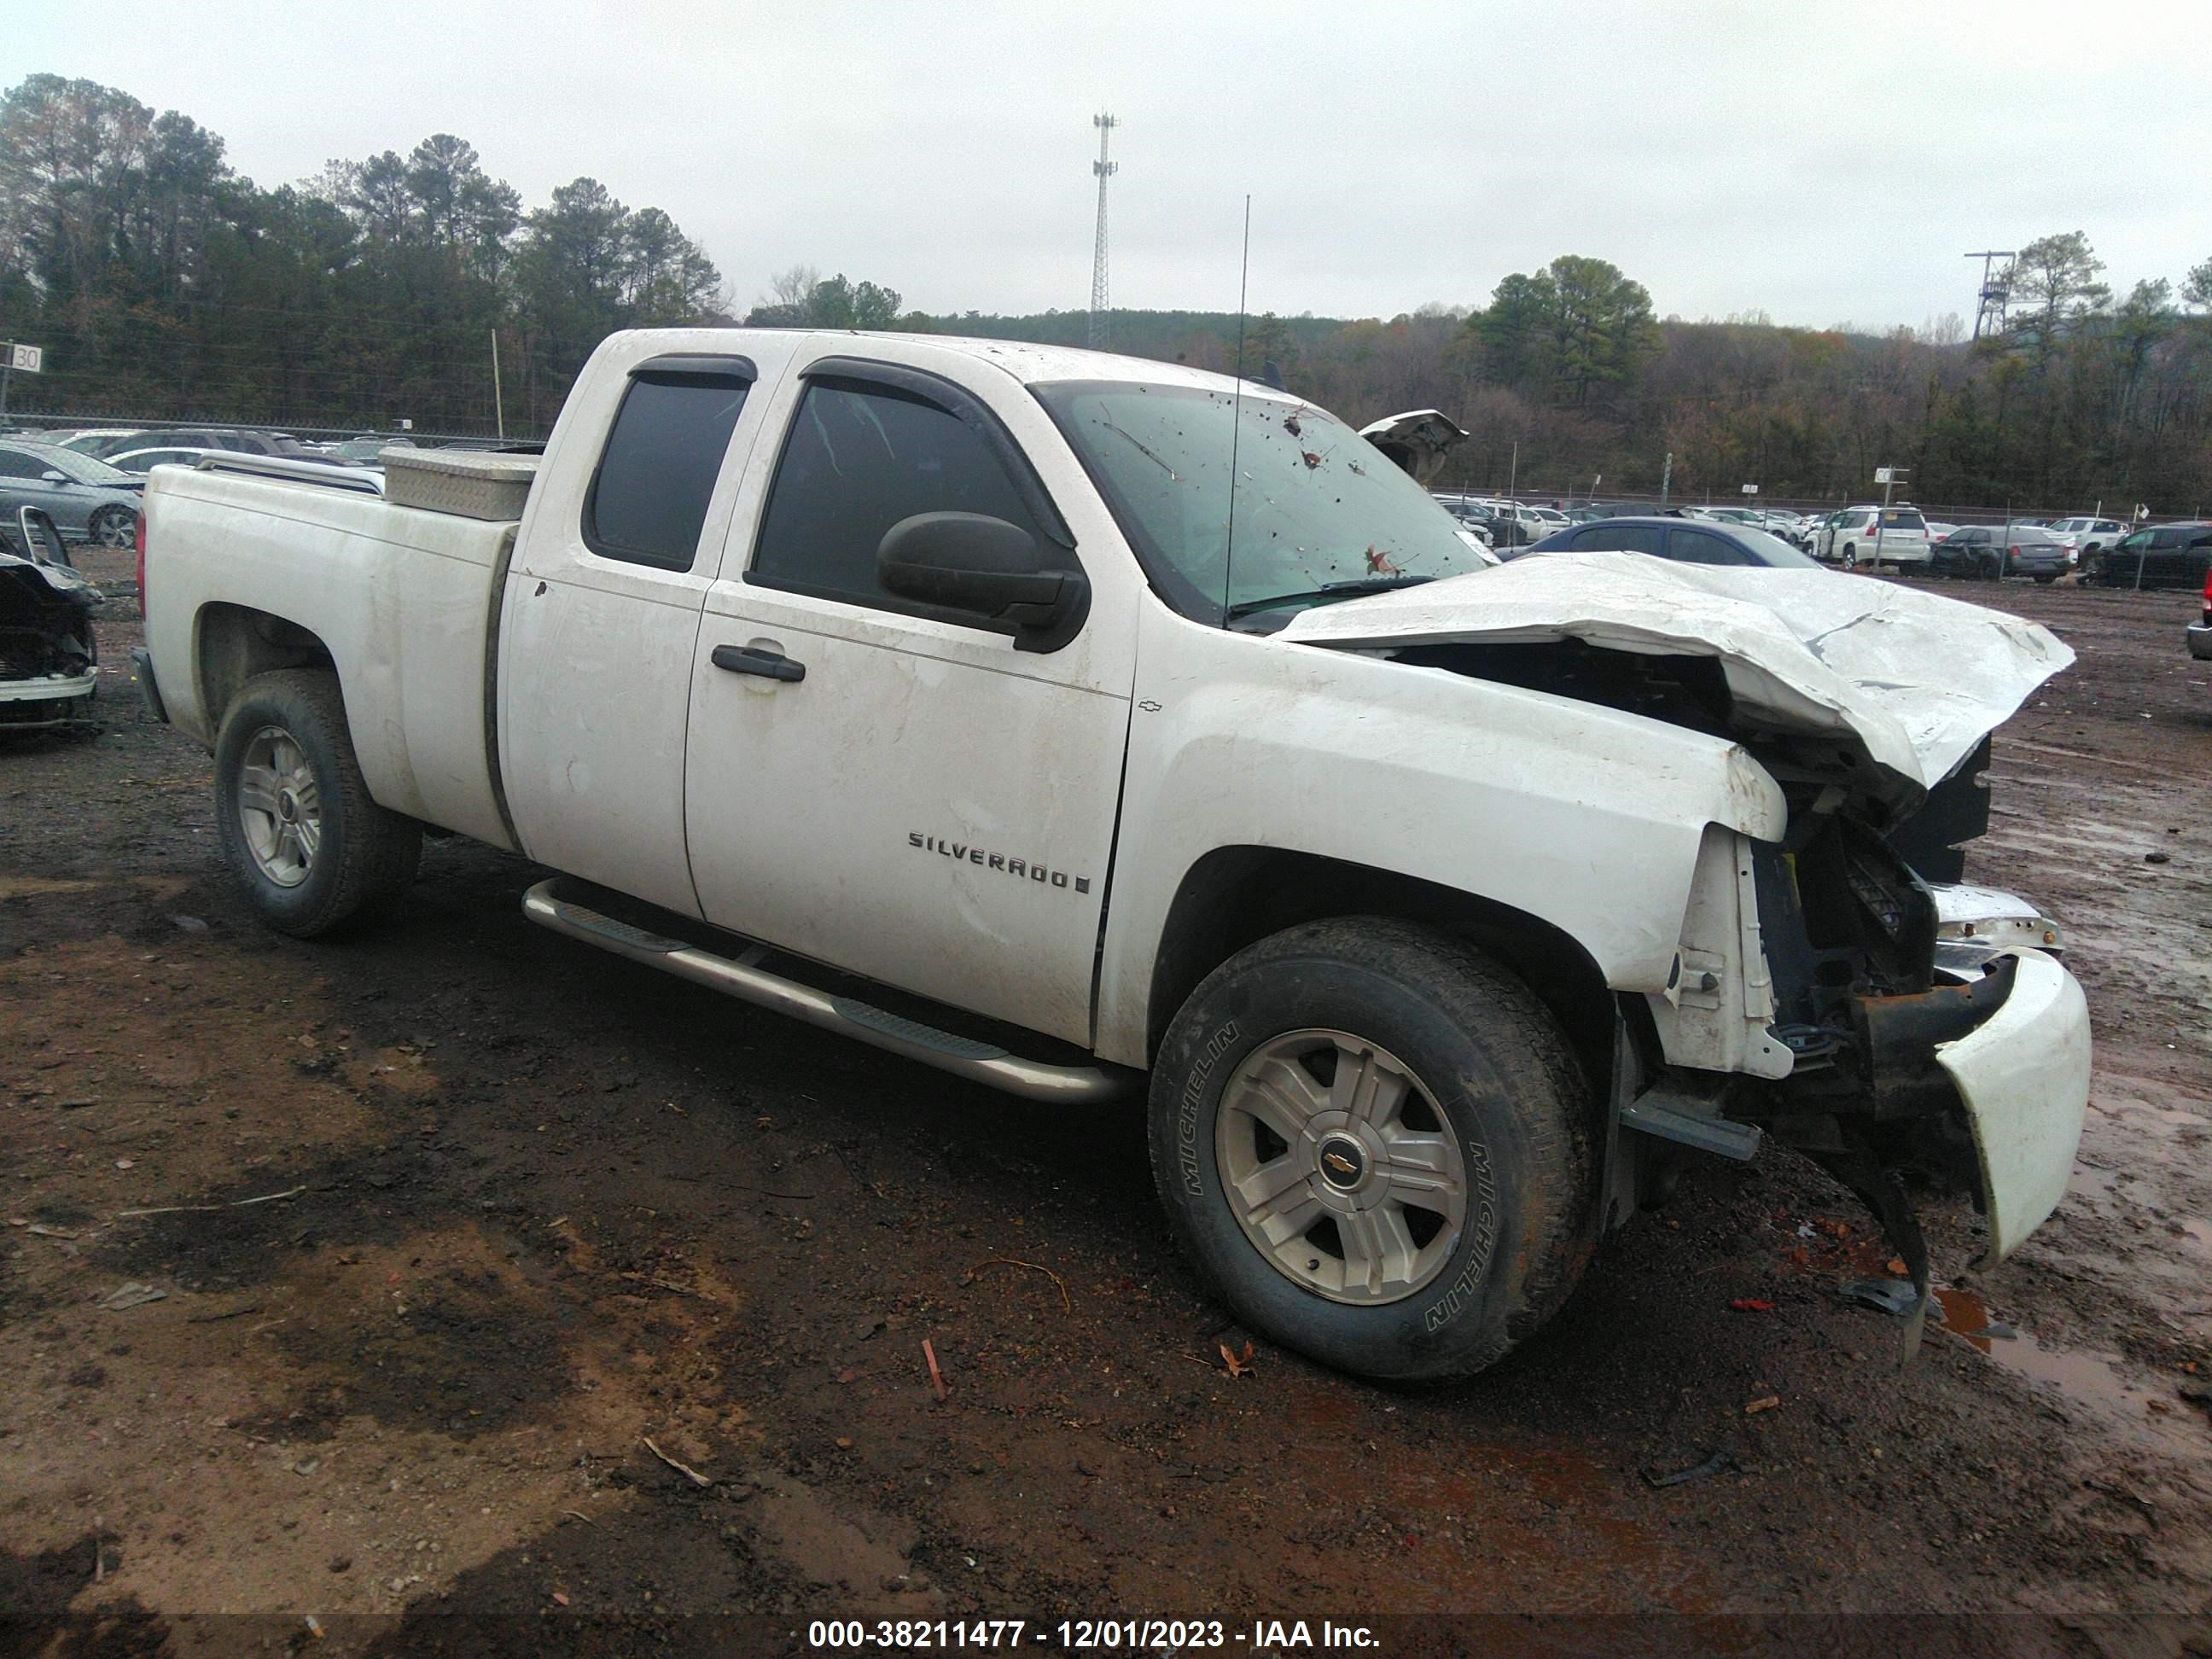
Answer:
(498, 398)
(1104, 169)
(1886, 476)
(1666, 478)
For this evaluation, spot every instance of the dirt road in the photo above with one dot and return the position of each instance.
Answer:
(499, 1276)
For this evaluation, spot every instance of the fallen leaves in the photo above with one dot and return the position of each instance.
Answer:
(1239, 1364)
(1765, 1403)
(1751, 1304)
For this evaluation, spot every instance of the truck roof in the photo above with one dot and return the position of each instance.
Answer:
(1028, 361)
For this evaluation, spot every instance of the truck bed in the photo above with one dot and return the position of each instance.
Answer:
(403, 597)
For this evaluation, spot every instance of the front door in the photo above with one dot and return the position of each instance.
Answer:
(901, 792)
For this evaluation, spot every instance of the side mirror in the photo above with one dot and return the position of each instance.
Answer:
(989, 568)
(51, 477)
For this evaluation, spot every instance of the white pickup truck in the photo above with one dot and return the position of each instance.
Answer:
(1057, 719)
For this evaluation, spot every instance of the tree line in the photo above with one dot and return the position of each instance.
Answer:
(163, 284)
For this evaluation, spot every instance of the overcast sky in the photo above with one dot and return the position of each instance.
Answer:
(1821, 162)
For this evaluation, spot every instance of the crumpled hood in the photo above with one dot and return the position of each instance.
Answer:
(1916, 679)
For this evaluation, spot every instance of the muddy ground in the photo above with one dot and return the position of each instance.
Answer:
(502, 1277)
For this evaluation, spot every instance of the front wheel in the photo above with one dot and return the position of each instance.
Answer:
(1851, 558)
(297, 826)
(1375, 1145)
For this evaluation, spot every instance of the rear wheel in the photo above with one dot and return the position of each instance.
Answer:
(1375, 1145)
(114, 527)
(294, 817)
(1851, 558)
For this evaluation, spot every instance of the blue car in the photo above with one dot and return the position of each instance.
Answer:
(1687, 541)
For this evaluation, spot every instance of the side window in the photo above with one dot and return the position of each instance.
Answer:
(1702, 547)
(1630, 539)
(648, 501)
(859, 458)
(2162, 539)
(16, 466)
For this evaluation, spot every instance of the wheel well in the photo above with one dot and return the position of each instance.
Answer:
(1238, 895)
(236, 642)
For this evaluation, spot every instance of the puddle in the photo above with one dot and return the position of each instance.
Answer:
(2084, 1377)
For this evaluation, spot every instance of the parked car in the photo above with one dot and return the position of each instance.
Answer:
(89, 500)
(1673, 538)
(878, 652)
(243, 440)
(1874, 536)
(143, 461)
(363, 452)
(1989, 552)
(49, 656)
(2157, 555)
(2087, 536)
(94, 440)
(2200, 633)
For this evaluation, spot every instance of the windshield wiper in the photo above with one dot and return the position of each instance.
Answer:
(1345, 590)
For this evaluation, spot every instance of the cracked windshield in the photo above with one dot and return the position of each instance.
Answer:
(1320, 513)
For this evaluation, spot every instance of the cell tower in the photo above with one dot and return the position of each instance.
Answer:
(1105, 170)
(1997, 291)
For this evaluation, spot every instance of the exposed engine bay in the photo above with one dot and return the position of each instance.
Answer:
(49, 656)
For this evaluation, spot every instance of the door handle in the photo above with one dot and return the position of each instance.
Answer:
(749, 659)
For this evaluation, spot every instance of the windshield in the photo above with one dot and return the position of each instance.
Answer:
(1319, 512)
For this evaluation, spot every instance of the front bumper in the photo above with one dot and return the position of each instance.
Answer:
(2200, 641)
(46, 700)
(2023, 1078)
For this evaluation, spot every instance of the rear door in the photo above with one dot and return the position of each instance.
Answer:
(2164, 564)
(602, 614)
(904, 794)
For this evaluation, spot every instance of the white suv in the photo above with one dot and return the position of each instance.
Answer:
(1874, 536)
(2083, 536)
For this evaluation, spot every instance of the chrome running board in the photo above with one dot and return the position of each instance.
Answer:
(743, 978)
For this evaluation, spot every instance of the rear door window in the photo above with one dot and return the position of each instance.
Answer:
(1629, 538)
(1702, 547)
(647, 501)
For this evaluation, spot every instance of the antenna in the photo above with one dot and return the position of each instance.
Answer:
(1236, 407)
(1105, 170)
(1997, 291)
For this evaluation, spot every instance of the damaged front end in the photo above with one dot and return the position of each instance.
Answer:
(1869, 1040)
(49, 657)
(1826, 989)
